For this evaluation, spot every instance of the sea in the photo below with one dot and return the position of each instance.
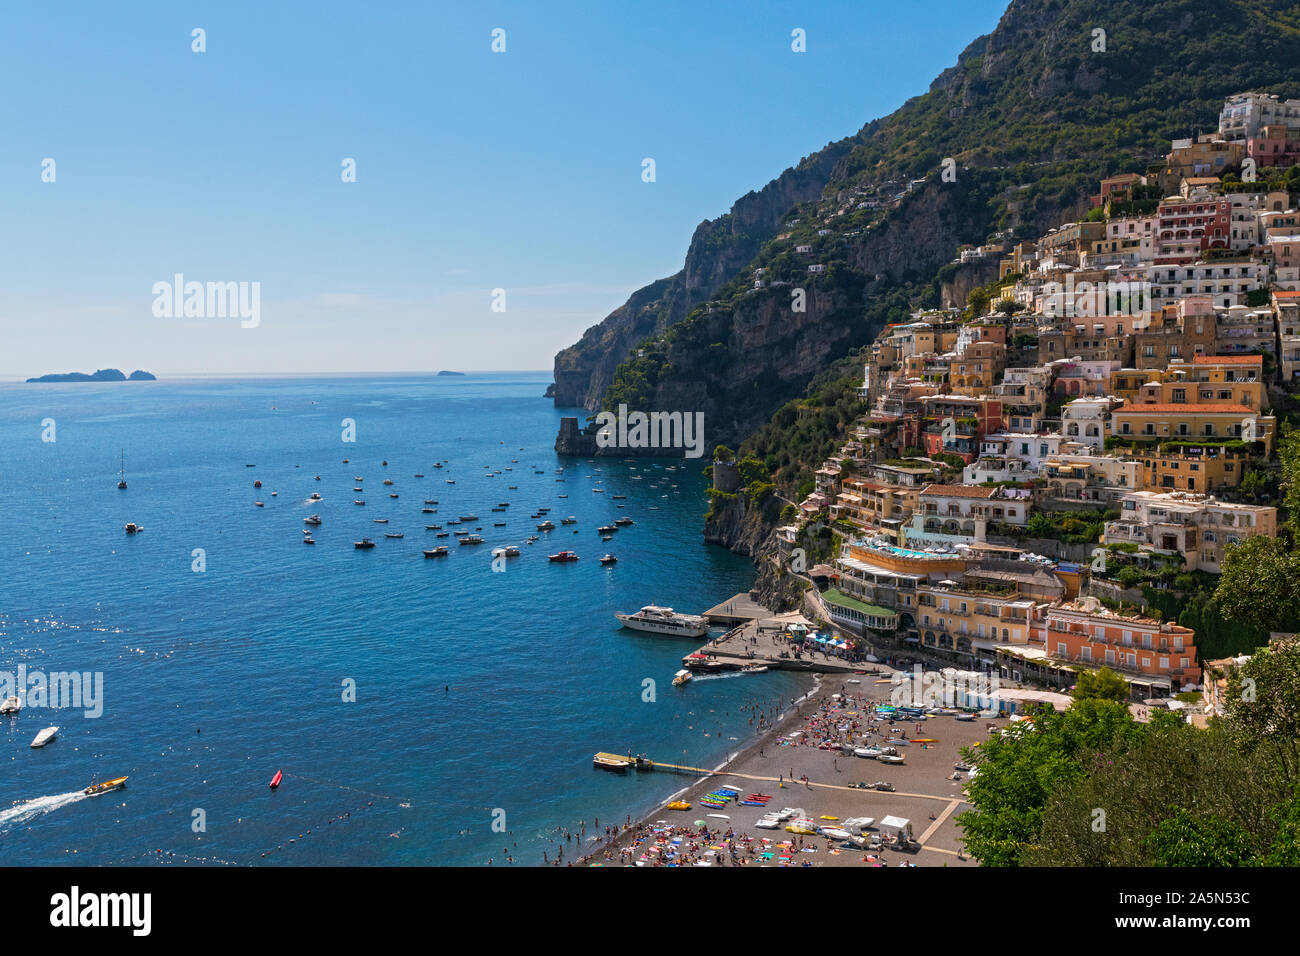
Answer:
(420, 711)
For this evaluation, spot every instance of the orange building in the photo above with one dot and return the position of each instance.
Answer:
(1149, 654)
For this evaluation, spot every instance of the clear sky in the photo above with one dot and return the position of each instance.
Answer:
(475, 170)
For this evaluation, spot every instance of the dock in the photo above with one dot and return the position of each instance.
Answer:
(621, 762)
(739, 609)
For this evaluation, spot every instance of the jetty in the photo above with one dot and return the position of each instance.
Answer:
(617, 762)
(757, 641)
(739, 609)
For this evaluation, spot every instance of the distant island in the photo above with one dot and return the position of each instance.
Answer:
(445, 372)
(102, 375)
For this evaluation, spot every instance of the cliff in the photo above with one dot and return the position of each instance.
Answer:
(1009, 141)
(718, 248)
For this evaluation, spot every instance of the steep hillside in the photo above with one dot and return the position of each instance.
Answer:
(1031, 116)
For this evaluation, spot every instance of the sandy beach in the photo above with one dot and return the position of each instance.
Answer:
(777, 763)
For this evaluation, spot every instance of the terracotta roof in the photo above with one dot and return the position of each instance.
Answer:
(1228, 360)
(1285, 295)
(958, 491)
(1188, 409)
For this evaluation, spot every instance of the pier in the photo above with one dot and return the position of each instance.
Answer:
(754, 641)
(739, 609)
(608, 761)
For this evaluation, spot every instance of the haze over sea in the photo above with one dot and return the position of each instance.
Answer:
(213, 680)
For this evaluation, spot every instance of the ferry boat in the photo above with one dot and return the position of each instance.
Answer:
(563, 557)
(363, 544)
(95, 789)
(438, 552)
(471, 539)
(664, 620)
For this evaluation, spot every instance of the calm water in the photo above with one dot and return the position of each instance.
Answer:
(477, 692)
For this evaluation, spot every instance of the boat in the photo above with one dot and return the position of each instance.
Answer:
(966, 717)
(870, 753)
(623, 522)
(132, 528)
(609, 559)
(314, 496)
(754, 669)
(498, 524)
(471, 539)
(679, 805)
(121, 473)
(428, 511)
(430, 501)
(11, 705)
(45, 736)
(419, 476)
(510, 551)
(450, 482)
(313, 520)
(363, 544)
(95, 789)
(257, 483)
(438, 552)
(607, 529)
(275, 781)
(388, 481)
(834, 833)
(884, 786)
(618, 497)
(546, 526)
(358, 501)
(357, 478)
(357, 488)
(393, 534)
(393, 495)
(308, 540)
(606, 762)
(379, 520)
(892, 758)
(469, 517)
(664, 620)
(563, 557)
(681, 677)
(259, 504)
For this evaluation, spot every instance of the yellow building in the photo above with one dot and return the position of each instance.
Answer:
(1163, 422)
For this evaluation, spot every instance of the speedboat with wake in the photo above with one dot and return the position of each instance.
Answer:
(95, 789)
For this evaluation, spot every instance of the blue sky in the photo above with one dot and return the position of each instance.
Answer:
(475, 170)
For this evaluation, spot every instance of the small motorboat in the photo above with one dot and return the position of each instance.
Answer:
(132, 528)
(681, 677)
(419, 476)
(563, 556)
(609, 559)
(309, 540)
(623, 522)
(357, 488)
(509, 551)
(313, 520)
(569, 520)
(754, 669)
(469, 517)
(107, 786)
(275, 781)
(870, 753)
(363, 544)
(358, 501)
(430, 501)
(388, 481)
(259, 504)
(393, 534)
(45, 736)
(498, 524)
(965, 717)
(443, 534)
(546, 526)
(429, 511)
(471, 539)
(438, 552)
(257, 483)
(11, 705)
(892, 758)
(379, 520)
(95, 789)
(315, 495)
(607, 529)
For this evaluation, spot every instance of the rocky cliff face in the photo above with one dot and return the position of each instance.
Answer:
(718, 249)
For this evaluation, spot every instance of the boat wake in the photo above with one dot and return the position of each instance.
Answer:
(726, 676)
(25, 810)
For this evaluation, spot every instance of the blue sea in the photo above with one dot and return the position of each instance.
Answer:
(421, 711)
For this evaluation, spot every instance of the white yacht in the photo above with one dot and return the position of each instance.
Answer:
(45, 736)
(664, 620)
(11, 705)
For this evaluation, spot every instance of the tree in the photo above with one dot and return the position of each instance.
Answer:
(1104, 684)
(1260, 583)
(1187, 840)
(1262, 703)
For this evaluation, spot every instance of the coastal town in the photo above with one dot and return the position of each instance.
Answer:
(1119, 375)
